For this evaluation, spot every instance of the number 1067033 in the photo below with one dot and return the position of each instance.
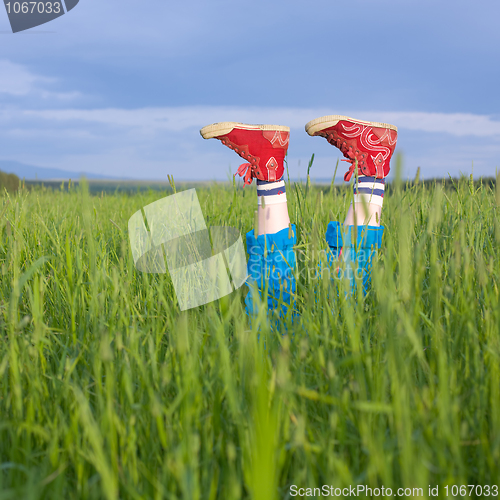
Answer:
(33, 7)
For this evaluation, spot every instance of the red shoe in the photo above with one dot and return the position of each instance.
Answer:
(371, 144)
(263, 146)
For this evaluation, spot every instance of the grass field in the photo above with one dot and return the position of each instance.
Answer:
(108, 391)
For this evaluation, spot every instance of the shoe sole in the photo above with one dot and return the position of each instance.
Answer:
(318, 124)
(223, 128)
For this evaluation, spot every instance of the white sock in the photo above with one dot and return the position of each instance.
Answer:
(370, 189)
(272, 192)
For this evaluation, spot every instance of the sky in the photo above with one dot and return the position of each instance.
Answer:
(122, 87)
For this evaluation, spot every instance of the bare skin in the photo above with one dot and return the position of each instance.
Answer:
(273, 218)
(357, 216)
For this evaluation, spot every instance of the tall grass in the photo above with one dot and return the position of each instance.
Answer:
(108, 391)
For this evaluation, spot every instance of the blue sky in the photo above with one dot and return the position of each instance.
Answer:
(122, 87)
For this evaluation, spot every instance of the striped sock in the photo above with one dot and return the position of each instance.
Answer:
(272, 192)
(370, 189)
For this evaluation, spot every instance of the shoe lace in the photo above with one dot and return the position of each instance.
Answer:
(347, 151)
(354, 163)
(245, 170)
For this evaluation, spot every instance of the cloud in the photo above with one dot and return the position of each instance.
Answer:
(459, 124)
(151, 142)
(18, 81)
(181, 118)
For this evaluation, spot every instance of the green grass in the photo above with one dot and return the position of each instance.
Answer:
(108, 391)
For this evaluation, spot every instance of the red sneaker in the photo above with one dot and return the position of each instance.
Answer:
(370, 143)
(264, 146)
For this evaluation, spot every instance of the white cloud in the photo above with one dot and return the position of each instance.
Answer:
(180, 118)
(17, 80)
(460, 124)
(151, 142)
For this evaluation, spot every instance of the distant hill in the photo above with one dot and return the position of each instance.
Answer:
(42, 173)
(10, 182)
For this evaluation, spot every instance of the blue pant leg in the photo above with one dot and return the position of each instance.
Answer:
(355, 248)
(271, 263)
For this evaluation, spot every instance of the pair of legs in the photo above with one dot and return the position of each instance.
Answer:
(367, 146)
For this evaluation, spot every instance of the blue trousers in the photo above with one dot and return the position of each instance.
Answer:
(271, 263)
(356, 249)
